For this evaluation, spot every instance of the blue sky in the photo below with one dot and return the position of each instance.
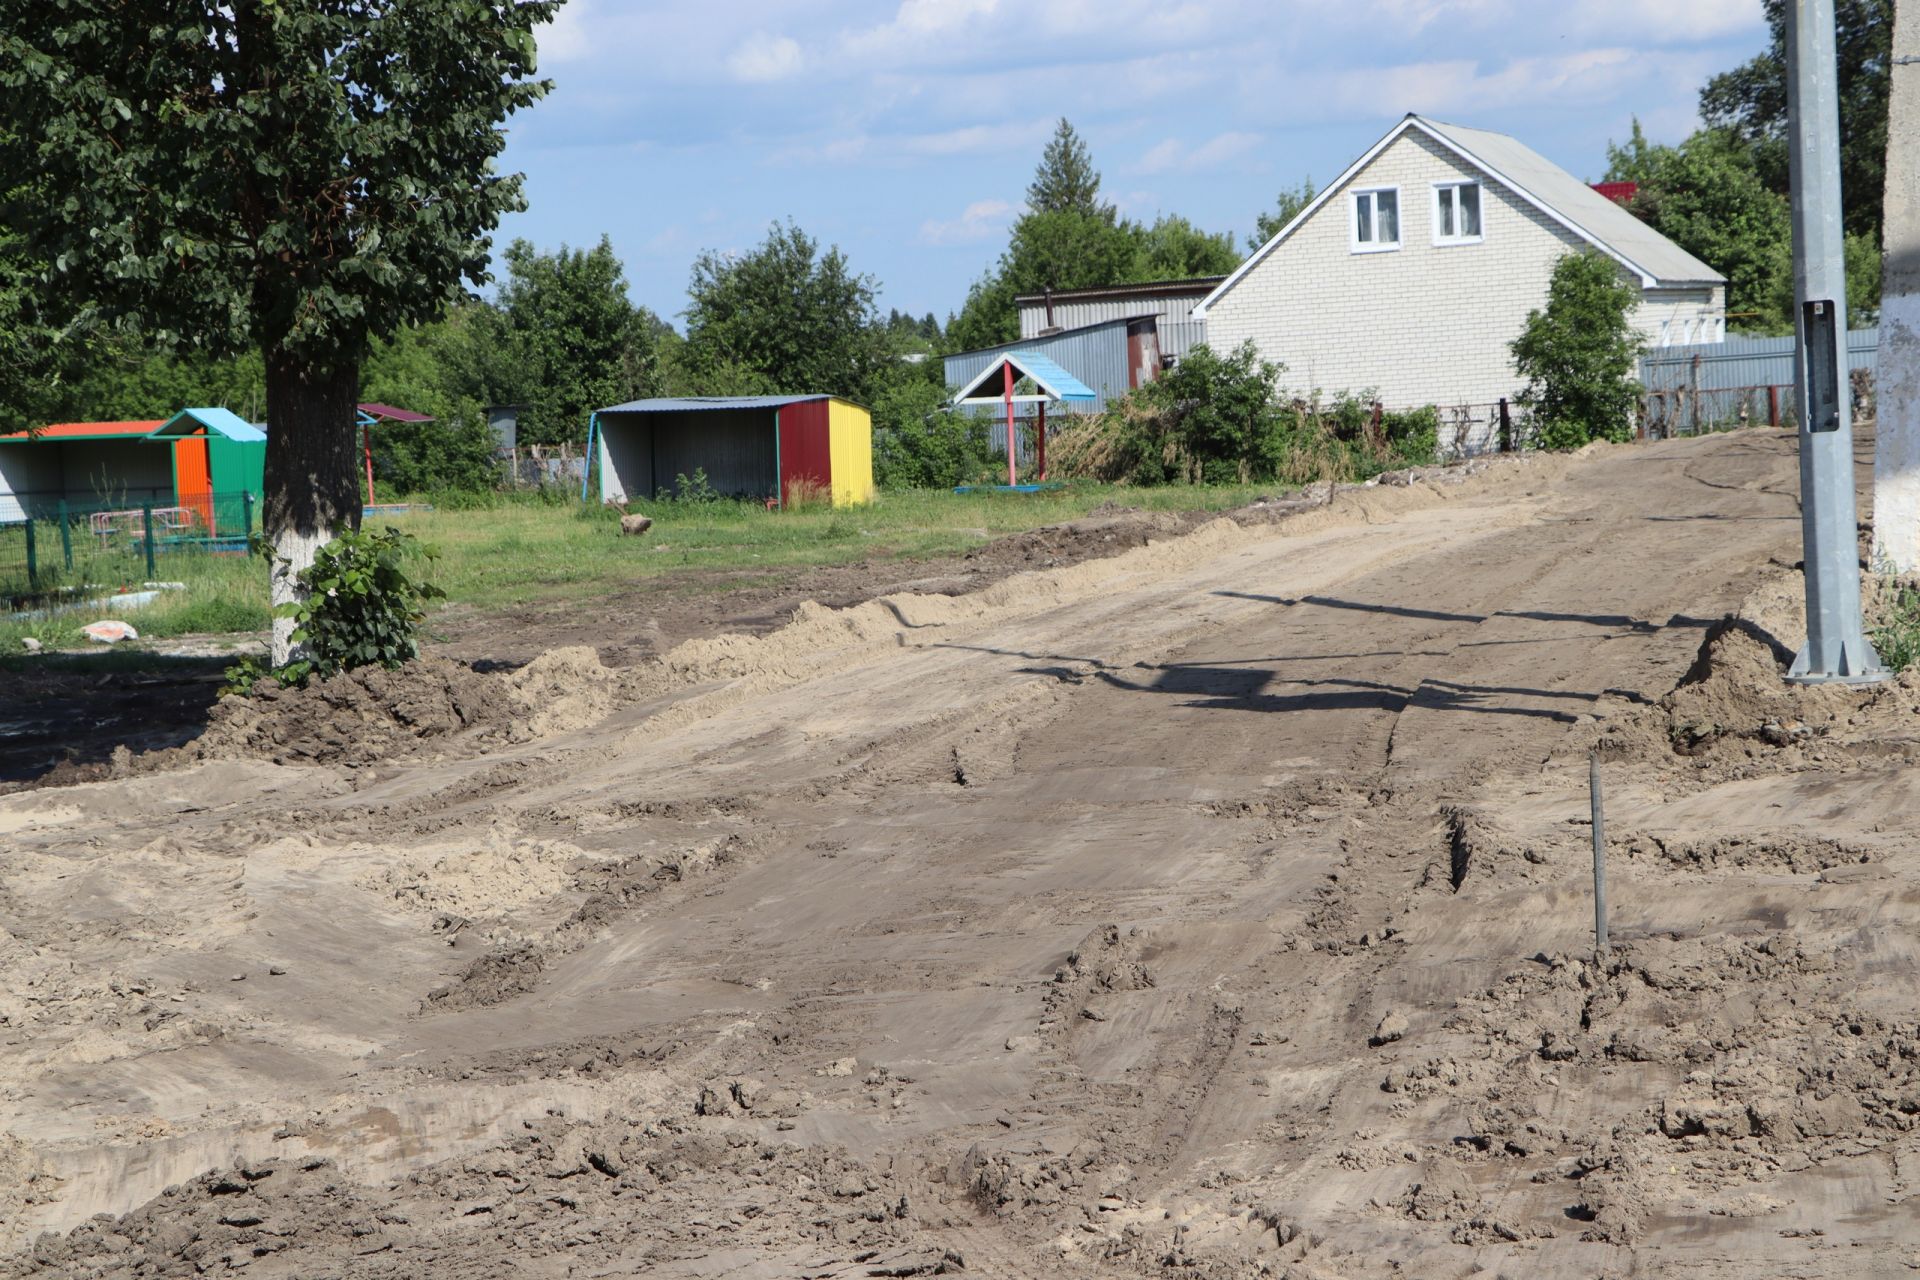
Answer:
(905, 131)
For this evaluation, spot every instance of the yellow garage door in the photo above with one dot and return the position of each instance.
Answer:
(850, 432)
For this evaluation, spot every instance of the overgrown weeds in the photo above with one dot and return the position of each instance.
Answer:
(1219, 420)
(1897, 638)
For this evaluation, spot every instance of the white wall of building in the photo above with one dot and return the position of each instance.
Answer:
(1425, 323)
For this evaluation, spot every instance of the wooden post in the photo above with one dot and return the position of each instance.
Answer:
(1694, 386)
(1773, 406)
(33, 559)
(66, 536)
(1506, 428)
(1013, 476)
(1040, 443)
(1373, 430)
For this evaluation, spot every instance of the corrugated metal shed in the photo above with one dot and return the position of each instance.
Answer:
(1096, 355)
(698, 404)
(1171, 302)
(748, 446)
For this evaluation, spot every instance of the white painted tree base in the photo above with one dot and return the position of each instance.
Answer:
(293, 552)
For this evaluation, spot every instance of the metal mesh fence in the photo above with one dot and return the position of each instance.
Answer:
(57, 545)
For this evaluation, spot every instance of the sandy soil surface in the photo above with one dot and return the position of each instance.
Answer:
(1216, 909)
(63, 726)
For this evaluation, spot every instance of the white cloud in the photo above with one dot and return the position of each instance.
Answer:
(565, 38)
(977, 222)
(1663, 22)
(1467, 92)
(763, 58)
(1175, 156)
(916, 26)
(1019, 140)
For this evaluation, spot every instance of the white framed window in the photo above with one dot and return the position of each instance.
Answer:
(1376, 220)
(1456, 213)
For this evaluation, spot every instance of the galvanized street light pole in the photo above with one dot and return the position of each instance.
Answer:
(1837, 647)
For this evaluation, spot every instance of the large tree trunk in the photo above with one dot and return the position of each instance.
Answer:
(313, 488)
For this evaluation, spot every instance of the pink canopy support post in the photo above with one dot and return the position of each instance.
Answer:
(1012, 476)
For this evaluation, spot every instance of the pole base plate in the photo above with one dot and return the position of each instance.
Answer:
(1858, 664)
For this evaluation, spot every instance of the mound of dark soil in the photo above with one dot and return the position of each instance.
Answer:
(358, 716)
(1095, 536)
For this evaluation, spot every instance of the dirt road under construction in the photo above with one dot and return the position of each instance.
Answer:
(1216, 909)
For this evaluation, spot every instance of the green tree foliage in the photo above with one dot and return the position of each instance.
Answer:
(1069, 239)
(783, 318)
(415, 369)
(920, 444)
(1292, 200)
(126, 377)
(293, 177)
(33, 359)
(563, 340)
(1174, 249)
(1578, 355)
(1707, 196)
(1750, 103)
(1066, 181)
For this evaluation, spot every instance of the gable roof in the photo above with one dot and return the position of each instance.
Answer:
(1538, 181)
(213, 422)
(1054, 382)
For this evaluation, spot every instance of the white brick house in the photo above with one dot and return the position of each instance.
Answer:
(1413, 270)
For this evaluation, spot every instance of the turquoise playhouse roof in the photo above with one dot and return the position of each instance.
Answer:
(220, 422)
(1055, 383)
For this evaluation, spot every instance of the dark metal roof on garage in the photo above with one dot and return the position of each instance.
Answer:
(697, 404)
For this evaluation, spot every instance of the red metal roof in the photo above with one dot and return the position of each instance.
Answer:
(86, 430)
(1618, 192)
(392, 414)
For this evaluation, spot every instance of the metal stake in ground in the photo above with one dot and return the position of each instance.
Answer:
(1599, 858)
(1837, 647)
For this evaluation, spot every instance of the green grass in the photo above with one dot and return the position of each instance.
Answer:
(520, 553)
(511, 550)
(223, 595)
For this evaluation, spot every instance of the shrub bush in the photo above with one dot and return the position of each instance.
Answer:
(936, 451)
(1216, 419)
(1578, 356)
(361, 608)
